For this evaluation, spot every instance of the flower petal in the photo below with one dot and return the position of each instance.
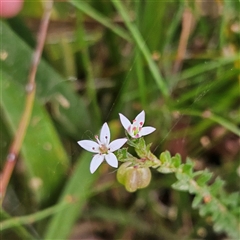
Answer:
(125, 122)
(105, 134)
(111, 160)
(147, 130)
(116, 144)
(89, 145)
(96, 161)
(140, 118)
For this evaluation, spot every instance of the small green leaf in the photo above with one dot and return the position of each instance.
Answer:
(181, 185)
(123, 155)
(197, 201)
(216, 186)
(232, 200)
(187, 169)
(176, 160)
(165, 157)
(204, 178)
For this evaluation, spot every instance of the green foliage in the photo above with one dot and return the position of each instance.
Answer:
(104, 58)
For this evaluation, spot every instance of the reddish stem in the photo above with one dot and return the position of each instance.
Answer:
(30, 90)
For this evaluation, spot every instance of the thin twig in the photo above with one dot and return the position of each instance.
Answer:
(30, 91)
(187, 25)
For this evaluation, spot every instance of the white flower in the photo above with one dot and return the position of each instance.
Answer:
(136, 129)
(103, 148)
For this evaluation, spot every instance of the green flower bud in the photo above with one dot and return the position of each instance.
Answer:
(133, 177)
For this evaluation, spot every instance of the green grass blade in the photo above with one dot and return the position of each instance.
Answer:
(87, 9)
(91, 89)
(142, 47)
(42, 152)
(51, 86)
(215, 118)
(207, 66)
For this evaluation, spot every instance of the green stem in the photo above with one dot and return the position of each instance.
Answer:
(35, 217)
(210, 199)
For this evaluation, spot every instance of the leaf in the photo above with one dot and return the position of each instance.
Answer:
(67, 107)
(176, 160)
(215, 118)
(232, 200)
(184, 172)
(181, 185)
(165, 157)
(42, 152)
(217, 186)
(87, 9)
(204, 178)
(187, 169)
(197, 200)
(143, 48)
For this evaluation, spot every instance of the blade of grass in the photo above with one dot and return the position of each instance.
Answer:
(213, 117)
(207, 66)
(142, 47)
(88, 10)
(139, 63)
(91, 89)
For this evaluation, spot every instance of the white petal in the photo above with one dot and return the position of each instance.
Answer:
(89, 145)
(105, 134)
(140, 118)
(96, 161)
(111, 160)
(147, 130)
(116, 144)
(125, 122)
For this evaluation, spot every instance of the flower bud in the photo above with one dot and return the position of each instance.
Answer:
(133, 177)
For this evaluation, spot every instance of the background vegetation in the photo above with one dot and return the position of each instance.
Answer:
(177, 60)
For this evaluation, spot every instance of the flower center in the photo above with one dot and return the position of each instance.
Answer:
(136, 128)
(103, 149)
